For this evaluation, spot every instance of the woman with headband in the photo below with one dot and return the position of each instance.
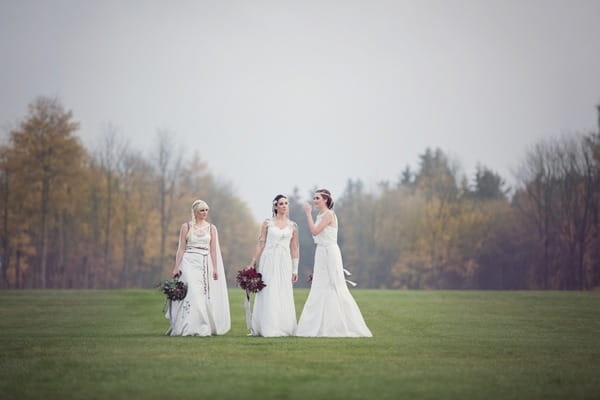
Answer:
(277, 251)
(330, 309)
(205, 309)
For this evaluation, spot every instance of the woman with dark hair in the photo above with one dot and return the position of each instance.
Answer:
(330, 309)
(274, 313)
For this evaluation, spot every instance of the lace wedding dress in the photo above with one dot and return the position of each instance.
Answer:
(205, 309)
(330, 309)
(274, 313)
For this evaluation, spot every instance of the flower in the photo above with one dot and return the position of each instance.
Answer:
(174, 289)
(250, 280)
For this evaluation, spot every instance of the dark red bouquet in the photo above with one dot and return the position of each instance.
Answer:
(174, 289)
(250, 280)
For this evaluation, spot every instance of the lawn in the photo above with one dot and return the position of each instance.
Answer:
(426, 344)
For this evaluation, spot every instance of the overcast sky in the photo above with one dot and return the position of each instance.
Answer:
(277, 94)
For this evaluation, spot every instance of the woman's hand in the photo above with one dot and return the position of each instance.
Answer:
(294, 278)
(176, 272)
(307, 208)
(215, 275)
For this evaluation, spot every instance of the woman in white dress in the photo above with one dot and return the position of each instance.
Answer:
(274, 313)
(330, 309)
(205, 309)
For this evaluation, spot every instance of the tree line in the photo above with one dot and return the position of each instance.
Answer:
(109, 218)
(437, 229)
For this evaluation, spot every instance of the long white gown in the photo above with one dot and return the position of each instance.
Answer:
(330, 309)
(274, 313)
(205, 309)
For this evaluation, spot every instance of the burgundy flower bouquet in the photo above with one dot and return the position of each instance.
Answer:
(174, 289)
(251, 281)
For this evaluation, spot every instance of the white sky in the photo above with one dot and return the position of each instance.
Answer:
(277, 94)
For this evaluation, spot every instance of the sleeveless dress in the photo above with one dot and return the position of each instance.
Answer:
(274, 313)
(330, 309)
(205, 309)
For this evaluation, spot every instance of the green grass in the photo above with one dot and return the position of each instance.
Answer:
(426, 344)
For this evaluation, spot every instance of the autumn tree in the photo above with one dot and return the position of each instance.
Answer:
(48, 156)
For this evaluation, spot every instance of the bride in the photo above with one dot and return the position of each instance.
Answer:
(330, 309)
(205, 309)
(274, 313)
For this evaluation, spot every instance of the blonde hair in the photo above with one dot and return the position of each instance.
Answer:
(198, 205)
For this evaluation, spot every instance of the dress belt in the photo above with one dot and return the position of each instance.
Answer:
(203, 251)
(197, 250)
(275, 245)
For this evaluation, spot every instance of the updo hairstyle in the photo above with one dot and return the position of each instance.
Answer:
(326, 194)
(275, 201)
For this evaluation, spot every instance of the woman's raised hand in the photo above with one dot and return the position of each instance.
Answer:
(307, 208)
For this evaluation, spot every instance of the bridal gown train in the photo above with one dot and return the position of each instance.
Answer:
(330, 309)
(205, 309)
(274, 313)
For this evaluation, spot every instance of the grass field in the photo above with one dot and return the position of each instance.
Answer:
(426, 344)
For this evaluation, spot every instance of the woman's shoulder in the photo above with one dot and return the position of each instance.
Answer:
(330, 217)
(328, 214)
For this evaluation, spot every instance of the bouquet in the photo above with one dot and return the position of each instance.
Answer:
(174, 289)
(251, 281)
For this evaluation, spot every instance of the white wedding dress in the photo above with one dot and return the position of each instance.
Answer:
(330, 309)
(274, 313)
(205, 309)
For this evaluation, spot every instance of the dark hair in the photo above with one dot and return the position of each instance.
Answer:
(275, 201)
(327, 196)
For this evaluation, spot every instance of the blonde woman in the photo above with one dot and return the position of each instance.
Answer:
(205, 309)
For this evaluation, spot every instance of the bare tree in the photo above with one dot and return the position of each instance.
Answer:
(559, 191)
(110, 155)
(4, 194)
(538, 175)
(130, 170)
(168, 161)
